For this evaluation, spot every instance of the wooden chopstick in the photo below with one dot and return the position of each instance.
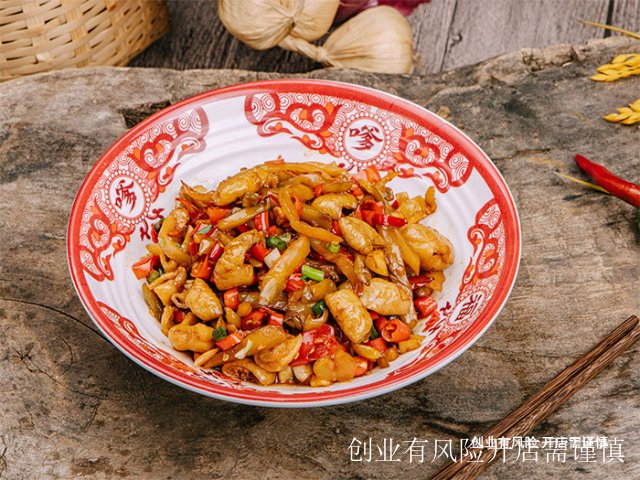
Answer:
(546, 400)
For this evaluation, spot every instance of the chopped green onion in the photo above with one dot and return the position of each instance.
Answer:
(205, 229)
(219, 333)
(318, 308)
(312, 273)
(333, 247)
(153, 276)
(158, 224)
(286, 237)
(276, 242)
(374, 333)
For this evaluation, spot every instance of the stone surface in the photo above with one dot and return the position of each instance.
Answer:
(71, 406)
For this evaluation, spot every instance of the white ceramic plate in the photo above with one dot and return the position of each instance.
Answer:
(206, 138)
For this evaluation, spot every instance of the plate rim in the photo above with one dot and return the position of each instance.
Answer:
(349, 90)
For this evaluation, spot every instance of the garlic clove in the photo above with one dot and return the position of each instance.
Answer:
(262, 24)
(378, 39)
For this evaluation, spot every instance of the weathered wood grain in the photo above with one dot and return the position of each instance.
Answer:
(72, 406)
(485, 28)
(431, 24)
(625, 14)
(447, 33)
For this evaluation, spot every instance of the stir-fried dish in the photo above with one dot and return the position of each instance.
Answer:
(295, 273)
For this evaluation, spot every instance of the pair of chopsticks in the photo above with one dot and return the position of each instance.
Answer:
(546, 400)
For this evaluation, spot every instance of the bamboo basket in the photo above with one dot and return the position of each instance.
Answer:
(42, 35)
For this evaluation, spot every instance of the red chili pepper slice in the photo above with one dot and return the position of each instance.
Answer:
(395, 331)
(356, 190)
(203, 270)
(276, 318)
(230, 340)
(316, 343)
(362, 366)
(193, 248)
(231, 298)
(254, 319)
(421, 281)
(380, 322)
(317, 190)
(216, 253)
(194, 212)
(390, 220)
(371, 174)
(216, 214)
(369, 216)
(178, 316)
(243, 228)
(295, 283)
(145, 266)
(378, 343)
(262, 222)
(372, 205)
(623, 189)
(259, 251)
(335, 228)
(425, 306)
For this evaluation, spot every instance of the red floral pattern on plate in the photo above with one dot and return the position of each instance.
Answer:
(478, 283)
(122, 197)
(360, 126)
(360, 135)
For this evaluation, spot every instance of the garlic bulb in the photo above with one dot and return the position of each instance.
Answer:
(263, 24)
(376, 40)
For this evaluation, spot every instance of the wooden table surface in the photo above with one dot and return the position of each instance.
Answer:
(72, 406)
(447, 33)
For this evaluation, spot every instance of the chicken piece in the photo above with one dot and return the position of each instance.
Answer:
(359, 234)
(202, 301)
(414, 210)
(166, 321)
(230, 270)
(376, 263)
(247, 370)
(260, 339)
(276, 278)
(169, 246)
(351, 315)
(315, 291)
(433, 248)
(341, 368)
(181, 217)
(385, 298)
(362, 272)
(333, 203)
(247, 181)
(276, 358)
(197, 338)
(169, 284)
